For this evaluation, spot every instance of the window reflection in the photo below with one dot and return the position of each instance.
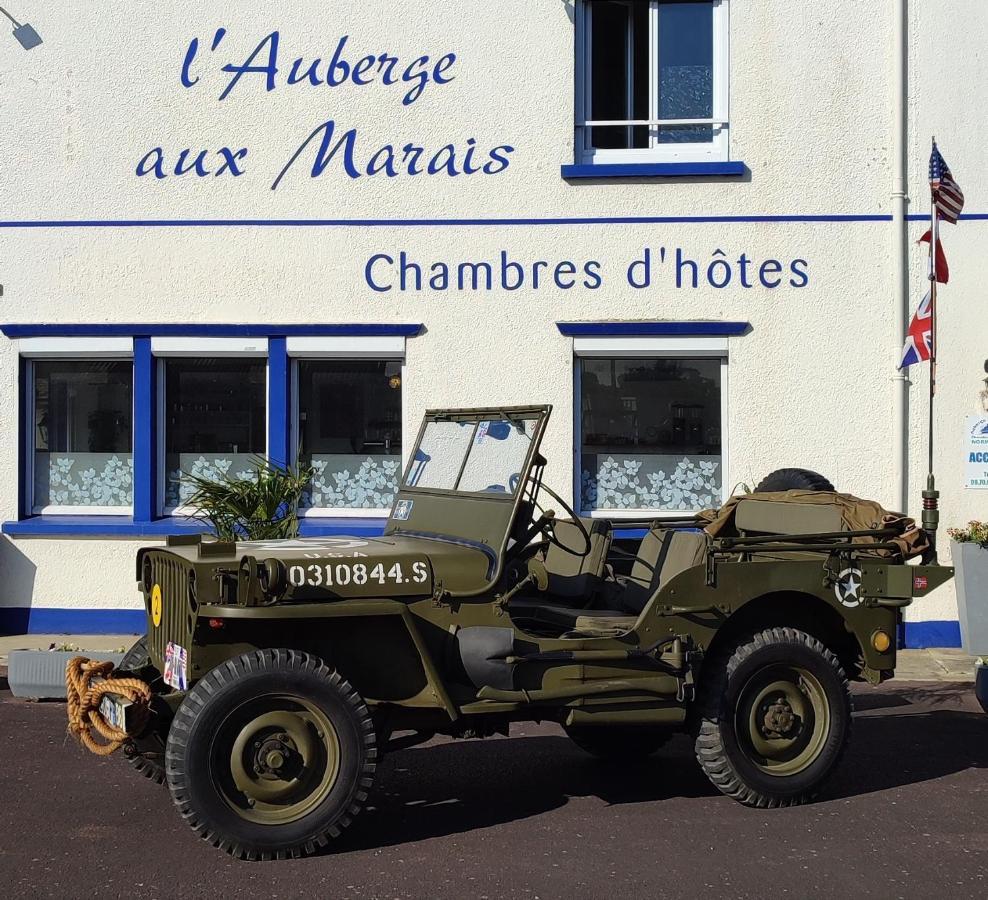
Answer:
(650, 433)
(215, 421)
(82, 433)
(349, 431)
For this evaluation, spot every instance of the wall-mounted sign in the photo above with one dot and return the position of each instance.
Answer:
(976, 452)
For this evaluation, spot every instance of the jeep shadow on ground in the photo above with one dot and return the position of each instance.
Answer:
(456, 787)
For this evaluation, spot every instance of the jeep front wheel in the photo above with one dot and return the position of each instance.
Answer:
(775, 716)
(271, 755)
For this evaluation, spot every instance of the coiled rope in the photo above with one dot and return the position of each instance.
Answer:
(84, 695)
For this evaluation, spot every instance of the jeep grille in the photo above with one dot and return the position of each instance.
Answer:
(178, 604)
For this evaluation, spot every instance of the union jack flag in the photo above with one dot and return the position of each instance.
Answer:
(919, 337)
(947, 195)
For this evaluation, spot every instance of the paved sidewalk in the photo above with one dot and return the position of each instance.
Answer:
(935, 665)
(913, 665)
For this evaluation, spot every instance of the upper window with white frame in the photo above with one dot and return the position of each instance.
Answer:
(82, 439)
(652, 81)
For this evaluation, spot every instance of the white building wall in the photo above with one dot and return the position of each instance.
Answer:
(810, 385)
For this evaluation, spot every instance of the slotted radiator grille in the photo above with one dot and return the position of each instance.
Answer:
(177, 611)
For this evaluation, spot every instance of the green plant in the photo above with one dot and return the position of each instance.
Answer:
(262, 506)
(974, 532)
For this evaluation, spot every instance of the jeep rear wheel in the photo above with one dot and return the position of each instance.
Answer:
(775, 718)
(617, 742)
(271, 755)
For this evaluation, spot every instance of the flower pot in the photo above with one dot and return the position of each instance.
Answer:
(40, 674)
(971, 567)
(981, 684)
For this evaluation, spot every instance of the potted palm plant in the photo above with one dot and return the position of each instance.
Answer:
(261, 506)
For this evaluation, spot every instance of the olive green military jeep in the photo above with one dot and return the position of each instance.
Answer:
(282, 671)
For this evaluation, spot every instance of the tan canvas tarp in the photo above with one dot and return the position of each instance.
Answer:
(856, 514)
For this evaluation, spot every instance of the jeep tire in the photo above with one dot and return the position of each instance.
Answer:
(774, 718)
(271, 755)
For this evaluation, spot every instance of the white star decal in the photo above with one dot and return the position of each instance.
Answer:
(848, 587)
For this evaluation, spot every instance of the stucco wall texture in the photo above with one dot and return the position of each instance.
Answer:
(811, 116)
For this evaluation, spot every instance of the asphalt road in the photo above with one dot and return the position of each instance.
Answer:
(531, 816)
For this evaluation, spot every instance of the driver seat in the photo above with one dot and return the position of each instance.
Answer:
(572, 575)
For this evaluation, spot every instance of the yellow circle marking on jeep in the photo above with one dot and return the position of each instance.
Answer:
(156, 605)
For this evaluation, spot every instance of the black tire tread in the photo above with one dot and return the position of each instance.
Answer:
(253, 663)
(709, 745)
(794, 479)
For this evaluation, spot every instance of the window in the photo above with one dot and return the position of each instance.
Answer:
(349, 431)
(214, 414)
(651, 433)
(82, 438)
(652, 81)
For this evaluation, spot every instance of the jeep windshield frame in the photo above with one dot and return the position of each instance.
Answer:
(494, 447)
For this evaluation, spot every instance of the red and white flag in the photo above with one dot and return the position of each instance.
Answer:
(943, 272)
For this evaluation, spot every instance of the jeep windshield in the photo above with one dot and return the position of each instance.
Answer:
(469, 475)
(486, 456)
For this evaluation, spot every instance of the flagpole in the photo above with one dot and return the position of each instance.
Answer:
(931, 496)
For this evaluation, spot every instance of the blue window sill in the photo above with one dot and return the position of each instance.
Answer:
(656, 170)
(125, 526)
(652, 329)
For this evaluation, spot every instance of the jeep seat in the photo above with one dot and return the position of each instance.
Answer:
(663, 554)
(572, 575)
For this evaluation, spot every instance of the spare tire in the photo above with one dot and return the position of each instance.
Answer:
(794, 480)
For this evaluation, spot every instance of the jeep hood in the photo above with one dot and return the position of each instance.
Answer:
(391, 566)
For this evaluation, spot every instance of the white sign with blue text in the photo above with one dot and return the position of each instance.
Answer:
(976, 452)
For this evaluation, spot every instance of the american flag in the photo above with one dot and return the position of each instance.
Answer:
(947, 195)
(919, 337)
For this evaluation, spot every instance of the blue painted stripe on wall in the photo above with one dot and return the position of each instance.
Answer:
(465, 222)
(919, 635)
(173, 329)
(124, 526)
(101, 526)
(46, 620)
(604, 329)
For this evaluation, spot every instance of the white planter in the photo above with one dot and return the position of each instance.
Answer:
(40, 674)
(971, 565)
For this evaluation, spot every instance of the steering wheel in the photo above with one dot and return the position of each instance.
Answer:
(547, 524)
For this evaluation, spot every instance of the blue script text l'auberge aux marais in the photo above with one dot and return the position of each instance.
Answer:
(328, 142)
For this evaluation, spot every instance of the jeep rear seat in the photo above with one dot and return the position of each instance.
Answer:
(663, 555)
